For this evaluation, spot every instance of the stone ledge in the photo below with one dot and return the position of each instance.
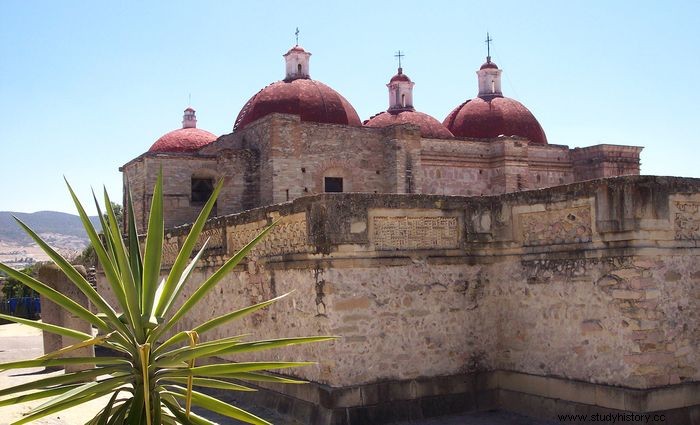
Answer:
(532, 395)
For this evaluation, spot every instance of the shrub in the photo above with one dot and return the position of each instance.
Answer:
(151, 380)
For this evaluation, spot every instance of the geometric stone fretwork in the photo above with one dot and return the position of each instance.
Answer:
(171, 245)
(216, 236)
(570, 225)
(686, 222)
(398, 233)
(171, 248)
(289, 236)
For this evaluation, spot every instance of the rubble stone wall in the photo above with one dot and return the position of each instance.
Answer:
(595, 281)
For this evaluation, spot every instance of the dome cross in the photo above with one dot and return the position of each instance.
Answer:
(296, 34)
(399, 55)
(488, 47)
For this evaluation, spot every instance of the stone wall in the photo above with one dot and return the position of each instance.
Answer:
(598, 161)
(595, 281)
(280, 158)
(237, 168)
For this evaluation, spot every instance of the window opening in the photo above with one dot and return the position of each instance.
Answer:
(333, 184)
(201, 190)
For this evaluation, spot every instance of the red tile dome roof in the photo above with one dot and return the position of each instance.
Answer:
(312, 100)
(489, 64)
(493, 116)
(429, 126)
(400, 76)
(183, 140)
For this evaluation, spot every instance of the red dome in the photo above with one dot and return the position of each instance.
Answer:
(429, 126)
(312, 100)
(183, 140)
(400, 77)
(489, 64)
(484, 118)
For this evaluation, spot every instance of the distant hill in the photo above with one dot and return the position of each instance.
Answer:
(64, 232)
(42, 222)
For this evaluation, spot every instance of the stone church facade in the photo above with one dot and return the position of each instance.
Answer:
(298, 137)
(453, 284)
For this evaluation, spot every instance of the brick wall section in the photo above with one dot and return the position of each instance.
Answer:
(235, 167)
(594, 281)
(605, 161)
(279, 158)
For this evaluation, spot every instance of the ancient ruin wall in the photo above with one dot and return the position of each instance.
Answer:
(595, 281)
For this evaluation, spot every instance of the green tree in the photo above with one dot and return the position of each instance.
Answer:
(14, 288)
(152, 379)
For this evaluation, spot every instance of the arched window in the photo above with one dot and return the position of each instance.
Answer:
(299, 68)
(403, 100)
(202, 189)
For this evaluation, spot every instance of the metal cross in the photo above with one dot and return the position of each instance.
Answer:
(488, 45)
(296, 33)
(399, 55)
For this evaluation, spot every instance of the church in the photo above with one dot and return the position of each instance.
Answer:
(298, 137)
(466, 264)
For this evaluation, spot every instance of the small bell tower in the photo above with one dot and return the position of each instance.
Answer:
(189, 119)
(489, 75)
(400, 89)
(297, 62)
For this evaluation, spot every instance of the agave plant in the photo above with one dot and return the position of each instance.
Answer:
(151, 377)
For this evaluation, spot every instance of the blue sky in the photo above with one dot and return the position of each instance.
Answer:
(87, 86)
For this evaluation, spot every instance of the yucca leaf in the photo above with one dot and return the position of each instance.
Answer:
(226, 348)
(168, 420)
(55, 296)
(132, 233)
(67, 404)
(106, 234)
(87, 389)
(144, 354)
(128, 280)
(38, 395)
(106, 412)
(41, 362)
(120, 414)
(157, 409)
(95, 340)
(211, 383)
(134, 415)
(191, 353)
(208, 284)
(214, 405)
(220, 320)
(107, 266)
(171, 297)
(183, 256)
(229, 368)
(77, 278)
(262, 377)
(230, 339)
(55, 329)
(69, 378)
(171, 403)
(246, 347)
(225, 318)
(154, 248)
